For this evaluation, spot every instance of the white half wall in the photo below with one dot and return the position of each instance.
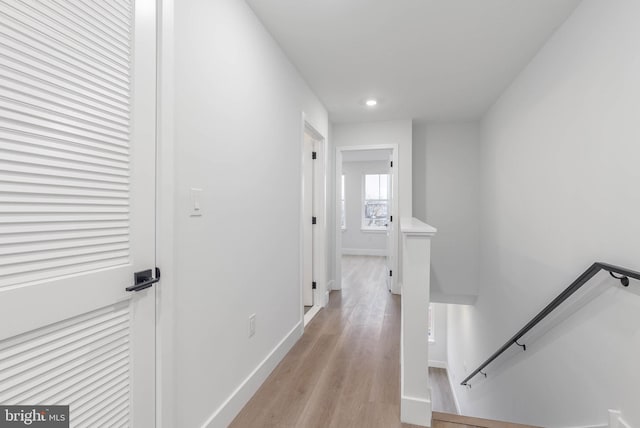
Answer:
(560, 190)
(446, 193)
(238, 130)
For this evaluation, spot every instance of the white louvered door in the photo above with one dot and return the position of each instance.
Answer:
(77, 207)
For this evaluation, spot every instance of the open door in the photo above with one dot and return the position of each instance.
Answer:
(77, 214)
(391, 226)
(308, 219)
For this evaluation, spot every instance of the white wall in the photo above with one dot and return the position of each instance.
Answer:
(560, 190)
(438, 347)
(354, 239)
(375, 133)
(238, 128)
(446, 194)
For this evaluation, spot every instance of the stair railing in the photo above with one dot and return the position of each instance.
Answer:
(617, 272)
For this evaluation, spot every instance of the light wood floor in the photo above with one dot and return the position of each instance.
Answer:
(445, 420)
(345, 370)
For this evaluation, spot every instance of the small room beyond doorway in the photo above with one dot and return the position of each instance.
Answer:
(366, 209)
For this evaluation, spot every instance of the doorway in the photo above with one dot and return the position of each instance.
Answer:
(366, 210)
(314, 291)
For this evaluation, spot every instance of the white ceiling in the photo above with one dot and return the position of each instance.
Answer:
(422, 59)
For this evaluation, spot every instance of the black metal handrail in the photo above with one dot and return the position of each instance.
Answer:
(614, 271)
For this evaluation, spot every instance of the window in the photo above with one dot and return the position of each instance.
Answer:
(376, 201)
(343, 219)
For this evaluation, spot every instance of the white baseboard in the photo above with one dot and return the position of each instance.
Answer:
(397, 288)
(311, 313)
(438, 364)
(458, 299)
(330, 285)
(415, 411)
(225, 414)
(363, 252)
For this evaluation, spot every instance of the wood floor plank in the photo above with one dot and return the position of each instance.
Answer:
(461, 421)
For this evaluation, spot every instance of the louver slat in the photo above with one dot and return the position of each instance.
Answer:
(82, 362)
(65, 80)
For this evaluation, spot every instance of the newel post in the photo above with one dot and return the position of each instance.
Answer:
(415, 404)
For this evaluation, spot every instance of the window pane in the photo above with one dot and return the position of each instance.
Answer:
(384, 181)
(342, 187)
(375, 213)
(371, 186)
(376, 204)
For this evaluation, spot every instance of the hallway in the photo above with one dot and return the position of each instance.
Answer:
(345, 370)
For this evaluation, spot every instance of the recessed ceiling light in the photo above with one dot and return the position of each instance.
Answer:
(371, 102)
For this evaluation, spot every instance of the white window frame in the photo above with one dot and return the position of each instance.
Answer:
(363, 226)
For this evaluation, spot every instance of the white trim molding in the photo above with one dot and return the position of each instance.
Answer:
(330, 288)
(328, 292)
(363, 252)
(228, 410)
(416, 411)
(438, 364)
(312, 312)
(165, 193)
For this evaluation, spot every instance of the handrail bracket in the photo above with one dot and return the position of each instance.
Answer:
(623, 279)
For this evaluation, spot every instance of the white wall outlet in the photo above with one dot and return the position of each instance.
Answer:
(196, 205)
(252, 325)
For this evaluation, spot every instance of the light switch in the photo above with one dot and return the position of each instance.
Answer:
(196, 208)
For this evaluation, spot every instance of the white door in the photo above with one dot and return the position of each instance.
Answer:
(77, 191)
(391, 222)
(307, 216)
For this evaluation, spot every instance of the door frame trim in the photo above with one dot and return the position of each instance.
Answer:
(321, 294)
(395, 209)
(165, 198)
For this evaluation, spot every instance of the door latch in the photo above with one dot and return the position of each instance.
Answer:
(144, 279)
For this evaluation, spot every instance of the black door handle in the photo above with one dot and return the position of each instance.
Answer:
(144, 279)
